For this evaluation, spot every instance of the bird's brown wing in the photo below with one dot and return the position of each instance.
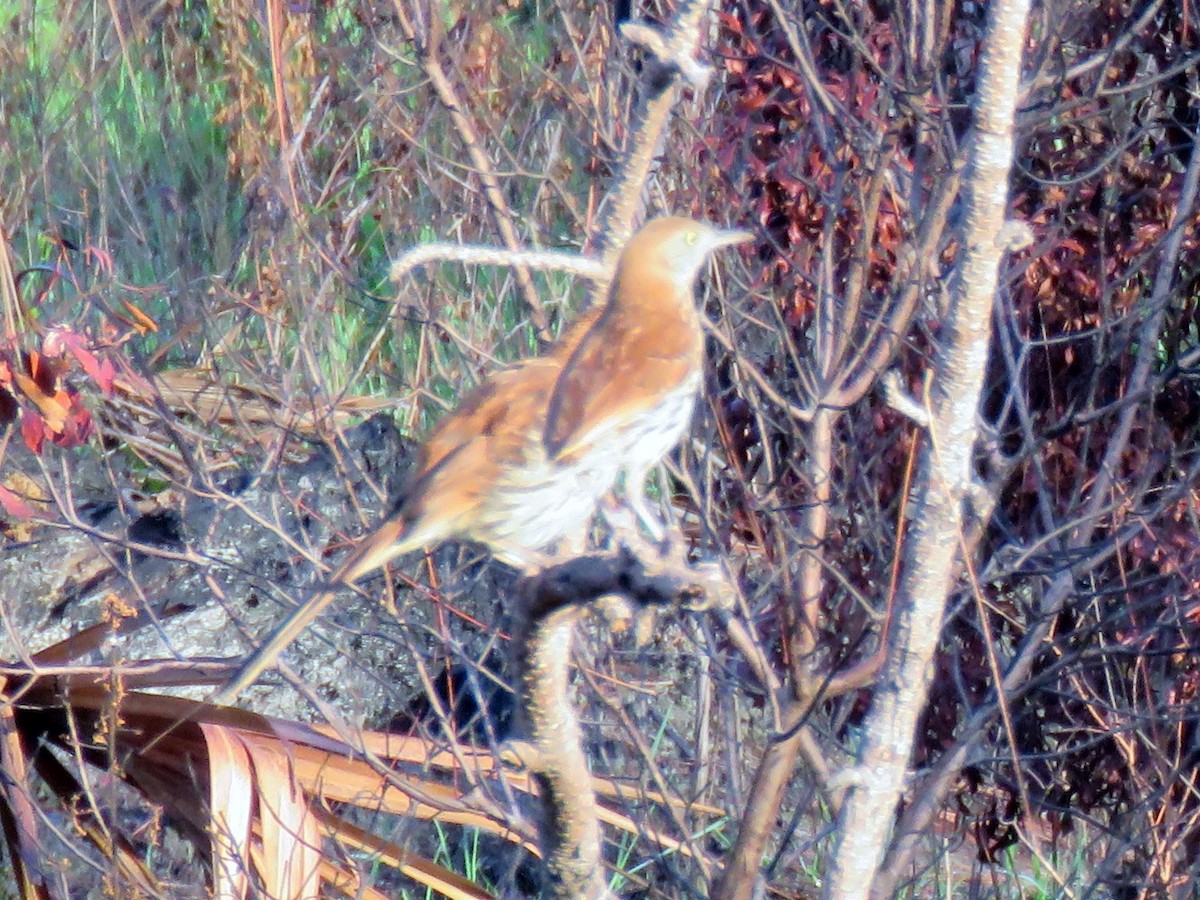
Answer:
(619, 370)
(494, 427)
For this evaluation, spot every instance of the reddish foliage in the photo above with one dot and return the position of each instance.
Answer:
(1099, 174)
(35, 386)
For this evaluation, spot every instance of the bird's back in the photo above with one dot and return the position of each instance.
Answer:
(485, 468)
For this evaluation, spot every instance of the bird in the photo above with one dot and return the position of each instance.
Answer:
(628, 390)
(522, 462)
(481, 474)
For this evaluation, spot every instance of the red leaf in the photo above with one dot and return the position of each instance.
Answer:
(100, 372)
(14, 507)
(104, 260)
(78, 425)
(33, 431)
(51, 405)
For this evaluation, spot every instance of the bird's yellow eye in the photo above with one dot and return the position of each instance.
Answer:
(691, 237)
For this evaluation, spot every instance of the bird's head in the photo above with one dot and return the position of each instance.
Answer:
(677, 247)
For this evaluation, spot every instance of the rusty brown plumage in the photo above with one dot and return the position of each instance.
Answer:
(627, 392)
(520, 464)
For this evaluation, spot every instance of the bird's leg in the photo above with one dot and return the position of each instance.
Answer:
(617, 517)
(635, 494)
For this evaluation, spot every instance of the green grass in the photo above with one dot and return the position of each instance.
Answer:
(128, 150)
(119, 153)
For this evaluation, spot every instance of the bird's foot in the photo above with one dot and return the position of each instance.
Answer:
(717, 590)
(625, 616)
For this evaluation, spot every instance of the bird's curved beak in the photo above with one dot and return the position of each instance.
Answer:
(728, 237)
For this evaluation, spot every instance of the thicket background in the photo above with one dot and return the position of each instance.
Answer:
(200, 204)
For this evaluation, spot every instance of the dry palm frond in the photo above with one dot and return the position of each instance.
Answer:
(255, 793)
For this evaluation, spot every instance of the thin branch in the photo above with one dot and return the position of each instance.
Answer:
(502, 215)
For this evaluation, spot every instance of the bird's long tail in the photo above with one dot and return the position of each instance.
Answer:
(388, 541)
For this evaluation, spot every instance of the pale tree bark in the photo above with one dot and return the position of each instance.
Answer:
(944, 483)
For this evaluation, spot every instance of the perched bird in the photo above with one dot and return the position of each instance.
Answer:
(482, 474)
(628, 390)
(521, 463)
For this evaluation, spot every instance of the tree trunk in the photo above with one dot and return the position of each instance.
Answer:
(945, 475)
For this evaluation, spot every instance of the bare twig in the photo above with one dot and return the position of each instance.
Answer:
(428, 53)
(555, 598)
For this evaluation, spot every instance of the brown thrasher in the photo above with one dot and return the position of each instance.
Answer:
(521, 463)
(481, 474)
